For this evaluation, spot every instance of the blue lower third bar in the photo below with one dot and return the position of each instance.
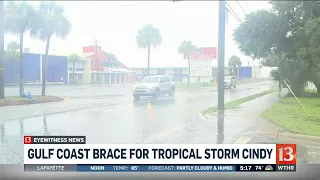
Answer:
(155, 168)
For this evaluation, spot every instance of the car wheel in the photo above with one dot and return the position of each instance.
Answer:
(136, 97)
(172, 91)
(235, 86)
(156, 93)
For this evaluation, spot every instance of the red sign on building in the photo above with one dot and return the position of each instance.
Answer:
(203, 53)
(91, 49)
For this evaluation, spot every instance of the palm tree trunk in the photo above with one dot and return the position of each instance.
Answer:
(21, 89)
(73, 65)
(148, 59)
(44, 68)
(188, 69)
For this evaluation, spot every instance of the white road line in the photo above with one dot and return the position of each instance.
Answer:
(243, 140)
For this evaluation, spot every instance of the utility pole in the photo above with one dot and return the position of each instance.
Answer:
(97, 59)
(1, 50)
(221, 45)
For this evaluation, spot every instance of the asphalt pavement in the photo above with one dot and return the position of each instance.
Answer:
(108, 114)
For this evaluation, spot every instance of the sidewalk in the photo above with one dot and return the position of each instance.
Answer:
(245, 122)
(68, 84)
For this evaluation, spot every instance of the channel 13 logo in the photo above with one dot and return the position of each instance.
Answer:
(286, 154)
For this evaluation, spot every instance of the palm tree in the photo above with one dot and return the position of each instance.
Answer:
(148, 36)
(186, 47)
(50, 20)
(12, 54)
(234, 62)
(18, 17)
(73, 58)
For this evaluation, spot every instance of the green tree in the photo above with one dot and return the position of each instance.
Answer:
(234, 62)
(286, 37)
(148, 36)
(187, 48)
(74, 58)
(18, 18)
(50, 20)
(12, 54)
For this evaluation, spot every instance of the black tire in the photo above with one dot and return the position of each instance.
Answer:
(136, 97)
(156, 93)
(172, 91)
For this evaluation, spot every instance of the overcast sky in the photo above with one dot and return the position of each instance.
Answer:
(115, 25)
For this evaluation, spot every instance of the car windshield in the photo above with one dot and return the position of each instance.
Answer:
(150, 79)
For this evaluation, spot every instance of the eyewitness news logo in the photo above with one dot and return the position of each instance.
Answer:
(73, 154)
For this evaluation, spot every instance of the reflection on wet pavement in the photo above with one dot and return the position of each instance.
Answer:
(120, 119)
(220, 125)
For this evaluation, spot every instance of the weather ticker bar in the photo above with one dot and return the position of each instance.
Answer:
(158, 168)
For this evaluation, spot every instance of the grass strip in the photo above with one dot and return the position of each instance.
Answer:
(288, 114)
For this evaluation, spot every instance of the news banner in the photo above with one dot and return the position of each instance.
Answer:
(72, 154)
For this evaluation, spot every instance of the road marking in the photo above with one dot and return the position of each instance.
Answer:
(163, 134)
(243, 140)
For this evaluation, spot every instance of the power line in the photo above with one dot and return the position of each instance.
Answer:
(234, 14)
(241, 7)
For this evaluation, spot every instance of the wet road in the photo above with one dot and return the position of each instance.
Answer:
(108, 114)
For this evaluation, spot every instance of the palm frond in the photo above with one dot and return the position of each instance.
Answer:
(18, 17)
(186, 47)
(148, 36)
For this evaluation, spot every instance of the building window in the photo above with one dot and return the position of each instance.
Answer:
(161, 71)
(92, 64)
(112, 64)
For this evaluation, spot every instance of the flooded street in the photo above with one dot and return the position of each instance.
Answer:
(109, 114)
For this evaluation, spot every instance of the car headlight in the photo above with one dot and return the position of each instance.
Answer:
(150, 87)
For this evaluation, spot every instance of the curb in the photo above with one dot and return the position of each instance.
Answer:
(297, 138)
(203, 118)
(66, 84)
(301, 137)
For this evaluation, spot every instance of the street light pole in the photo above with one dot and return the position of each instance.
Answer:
(1, 50)
(221, 46)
